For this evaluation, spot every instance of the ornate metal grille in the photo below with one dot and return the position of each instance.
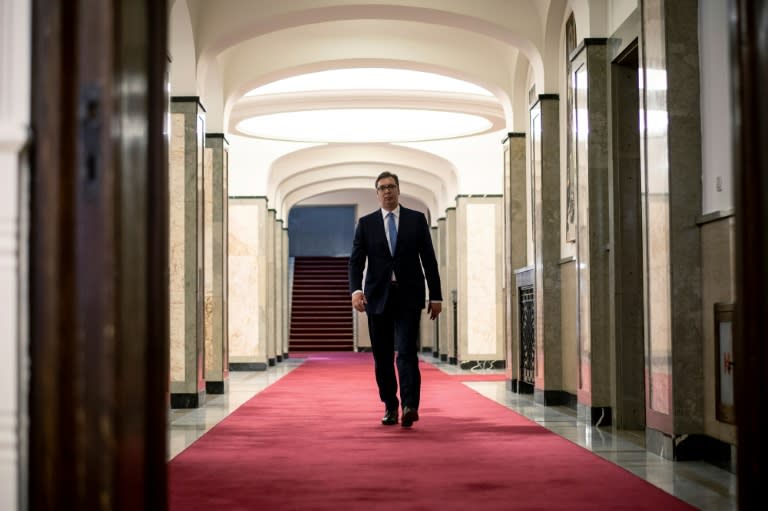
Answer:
(527, 334)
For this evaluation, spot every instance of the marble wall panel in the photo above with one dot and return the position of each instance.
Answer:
(210, 356)
(247, 281)
(176, 247)
(480, 266)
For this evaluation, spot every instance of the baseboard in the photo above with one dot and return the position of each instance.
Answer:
(247, 366)
(483, 364)
(555, 398)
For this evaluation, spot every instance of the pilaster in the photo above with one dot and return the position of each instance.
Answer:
(286, 291)
(278, 290)
(186, 259)
(270, 304)
(216, 314)
(515, 244)
(590, 98)
(671, 195)
(545, 173)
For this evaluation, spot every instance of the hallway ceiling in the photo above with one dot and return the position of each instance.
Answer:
(444, 78)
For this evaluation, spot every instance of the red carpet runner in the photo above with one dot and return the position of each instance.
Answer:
(312, 441)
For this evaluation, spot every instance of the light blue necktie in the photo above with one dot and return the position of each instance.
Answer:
(392, 231)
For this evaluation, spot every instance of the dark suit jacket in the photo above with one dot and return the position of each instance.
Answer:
(413, 251)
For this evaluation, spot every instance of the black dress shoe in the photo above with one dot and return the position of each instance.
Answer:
(410, 415)
(390, 418)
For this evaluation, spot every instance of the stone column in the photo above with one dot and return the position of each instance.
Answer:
(248, 283)
(515, 244)
(216, 275)
(545, 173)
(286, 292)
(278, 290)
(590, 104)
(186, 252)
(271, 305)
(427, 332)
(450, 291)
(441, 343)
(671, 196)
(480, 268)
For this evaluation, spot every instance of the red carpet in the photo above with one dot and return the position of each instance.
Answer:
(312, 441)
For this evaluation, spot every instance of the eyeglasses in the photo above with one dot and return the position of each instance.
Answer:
(384, 188)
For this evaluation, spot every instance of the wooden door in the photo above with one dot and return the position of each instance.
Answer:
(98, 256)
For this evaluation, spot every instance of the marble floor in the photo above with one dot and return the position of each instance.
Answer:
(701, 484)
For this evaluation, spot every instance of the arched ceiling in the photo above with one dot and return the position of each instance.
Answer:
(238, 45)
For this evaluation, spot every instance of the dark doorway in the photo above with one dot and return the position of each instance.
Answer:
(627, 254)
(321, 231)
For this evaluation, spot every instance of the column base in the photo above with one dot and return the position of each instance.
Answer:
(692, 447)
(555, 398)
(187, 399)
(216, 387)
(520, 386)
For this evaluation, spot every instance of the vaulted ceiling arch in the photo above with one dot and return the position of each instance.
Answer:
(431, 174)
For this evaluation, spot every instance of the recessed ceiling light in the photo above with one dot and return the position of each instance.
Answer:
(364, 125)
(369, 79)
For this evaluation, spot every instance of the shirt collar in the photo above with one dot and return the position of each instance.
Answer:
(396, 211)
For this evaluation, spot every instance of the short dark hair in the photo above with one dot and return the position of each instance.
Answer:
(385, 175)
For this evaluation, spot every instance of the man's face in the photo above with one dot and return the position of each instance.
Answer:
(388, 193)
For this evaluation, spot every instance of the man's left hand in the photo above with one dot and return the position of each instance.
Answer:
(434, 309)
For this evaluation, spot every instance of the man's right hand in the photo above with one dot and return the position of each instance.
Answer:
(359, 302)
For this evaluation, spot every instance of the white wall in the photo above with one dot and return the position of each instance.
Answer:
(15, 59)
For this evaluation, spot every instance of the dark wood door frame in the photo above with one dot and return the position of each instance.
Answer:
(750, 70)
(98, 256)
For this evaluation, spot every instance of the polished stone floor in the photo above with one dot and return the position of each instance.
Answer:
(701, 484)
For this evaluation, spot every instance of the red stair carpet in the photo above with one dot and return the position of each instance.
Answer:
(312, 441)
(321, 310)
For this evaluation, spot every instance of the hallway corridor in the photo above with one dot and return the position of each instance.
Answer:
(700, 484)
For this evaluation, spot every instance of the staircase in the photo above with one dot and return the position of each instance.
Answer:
(321, 308)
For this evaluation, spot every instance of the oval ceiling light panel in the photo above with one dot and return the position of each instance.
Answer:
(363, 125)
(369, 79)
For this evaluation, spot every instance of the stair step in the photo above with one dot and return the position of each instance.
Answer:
(321, 309)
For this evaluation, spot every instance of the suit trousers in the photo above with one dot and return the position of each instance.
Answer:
(396, 329)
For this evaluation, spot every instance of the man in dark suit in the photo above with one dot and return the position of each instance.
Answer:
(396, 243)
